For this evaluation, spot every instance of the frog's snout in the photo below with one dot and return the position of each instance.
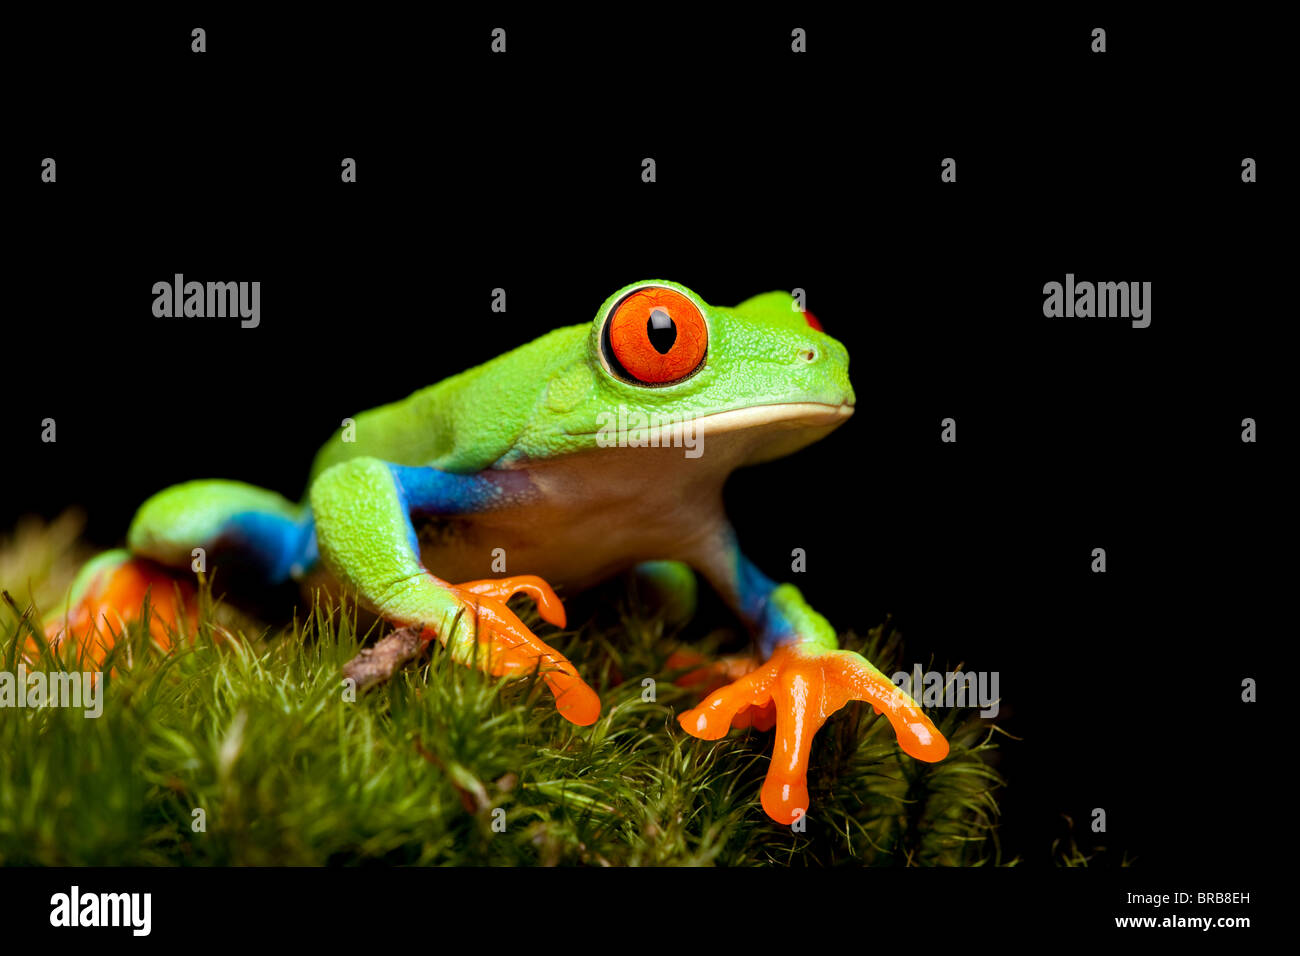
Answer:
(826, 364)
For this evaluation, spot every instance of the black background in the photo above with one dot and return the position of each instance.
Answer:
(774, 171)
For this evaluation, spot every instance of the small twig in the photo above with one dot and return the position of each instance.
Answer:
(376, 664)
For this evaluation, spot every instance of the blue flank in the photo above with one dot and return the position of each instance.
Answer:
(430, 491)
(278, 546)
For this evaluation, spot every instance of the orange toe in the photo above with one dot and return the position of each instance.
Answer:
(574, 698)
(708, 675)
(803, 701)
(714, 716)
(548, 602)
(510, 648)
(918, 737)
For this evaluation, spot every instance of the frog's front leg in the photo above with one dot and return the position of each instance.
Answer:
(365, 537)
(805, 678)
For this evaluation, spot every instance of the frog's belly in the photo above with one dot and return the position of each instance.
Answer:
(587, 516)
(585, 523)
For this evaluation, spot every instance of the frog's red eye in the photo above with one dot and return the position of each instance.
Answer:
(657, 336)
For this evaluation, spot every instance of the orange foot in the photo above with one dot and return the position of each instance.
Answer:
(512, 649)
(107, 596)
(804, 687)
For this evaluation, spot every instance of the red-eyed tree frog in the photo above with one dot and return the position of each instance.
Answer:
(595, 449)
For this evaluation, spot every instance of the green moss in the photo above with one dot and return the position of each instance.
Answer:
(446, 766)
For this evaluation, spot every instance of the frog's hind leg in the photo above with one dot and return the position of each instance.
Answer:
(108, 594)
(248, 531)
(196, 526)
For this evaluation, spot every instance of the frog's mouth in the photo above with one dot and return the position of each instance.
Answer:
(752, 434)
(763, 432)
(781, 415)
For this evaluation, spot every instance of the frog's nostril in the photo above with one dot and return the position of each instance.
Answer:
(808, 355)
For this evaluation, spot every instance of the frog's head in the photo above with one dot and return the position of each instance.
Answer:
(762, 373)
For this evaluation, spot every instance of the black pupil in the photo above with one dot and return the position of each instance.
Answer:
(662, 331)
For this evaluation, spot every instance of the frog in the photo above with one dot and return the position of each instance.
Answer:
(597, 449)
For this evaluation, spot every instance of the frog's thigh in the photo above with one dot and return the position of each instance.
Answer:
(256, 528)
(669, 587)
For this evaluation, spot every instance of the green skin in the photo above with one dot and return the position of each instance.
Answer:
(422, 492)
